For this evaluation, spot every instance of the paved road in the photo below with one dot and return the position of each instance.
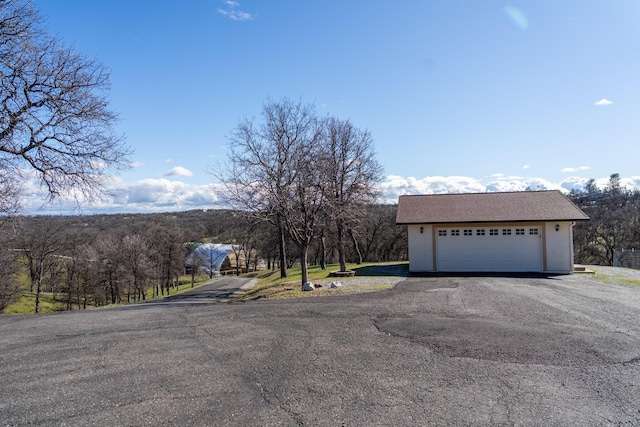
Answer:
(562, 350)
(212, 291)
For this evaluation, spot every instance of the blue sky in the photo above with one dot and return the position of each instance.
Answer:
(458, 95)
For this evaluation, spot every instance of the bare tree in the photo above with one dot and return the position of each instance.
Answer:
(110, 261)
(137, 265)
(352, 172)
(166, 244)
(37, 244)
(9, 287)
(55, 125)
(614, 224)
(270, 173)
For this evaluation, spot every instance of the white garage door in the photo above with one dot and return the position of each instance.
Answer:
(506, 249)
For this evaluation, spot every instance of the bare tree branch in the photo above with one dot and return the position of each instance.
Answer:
(54, 115)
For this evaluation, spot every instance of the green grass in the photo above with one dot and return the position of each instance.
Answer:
(379, 276)
(27, 304)
(617, 279)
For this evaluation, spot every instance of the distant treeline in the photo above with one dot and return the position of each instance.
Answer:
(104, 259)
(614, 225)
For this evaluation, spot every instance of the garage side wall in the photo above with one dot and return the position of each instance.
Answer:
(559, 247)
(420, 248)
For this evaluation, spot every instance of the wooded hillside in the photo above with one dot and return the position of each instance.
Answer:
(614, 224)
(105, 259)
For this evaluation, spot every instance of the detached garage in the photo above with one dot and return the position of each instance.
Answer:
(528, 231)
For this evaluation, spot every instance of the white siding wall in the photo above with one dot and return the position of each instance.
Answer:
(559, 246)
(420, 248)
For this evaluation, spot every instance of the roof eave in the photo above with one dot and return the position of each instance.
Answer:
(493, 221)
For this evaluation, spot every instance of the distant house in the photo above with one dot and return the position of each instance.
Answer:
(528, 231)
(215, 258)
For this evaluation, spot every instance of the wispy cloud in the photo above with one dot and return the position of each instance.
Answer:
(231, 11)
(136, 165)
(179, 171)
(578, 169)
(603, 102)
(526, 167)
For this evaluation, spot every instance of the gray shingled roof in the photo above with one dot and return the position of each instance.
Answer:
(487, 207)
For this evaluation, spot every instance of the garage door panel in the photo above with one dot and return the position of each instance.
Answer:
(501, 253)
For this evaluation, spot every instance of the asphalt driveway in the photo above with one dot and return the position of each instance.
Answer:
(561, 350)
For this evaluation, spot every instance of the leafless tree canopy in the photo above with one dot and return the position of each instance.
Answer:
(54, 116)
(297, 170)
(351, 173)
(615, 222)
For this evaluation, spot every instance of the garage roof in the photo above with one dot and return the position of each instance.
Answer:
(487, 207)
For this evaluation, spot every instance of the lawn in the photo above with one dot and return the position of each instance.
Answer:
(369, 277)
(618, 279)
(27, 302)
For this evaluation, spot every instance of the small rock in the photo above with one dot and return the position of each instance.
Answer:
(336, 284)
(308, 287)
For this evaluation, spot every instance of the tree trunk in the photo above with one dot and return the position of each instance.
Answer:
(283, 254)
(356, 247)
(69, 297)
(323, 255)
(303, 263)
(342, 256)
(39, 287)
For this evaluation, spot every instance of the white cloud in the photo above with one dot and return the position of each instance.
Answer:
(526, 167)
(233, 13)
(179, 171)
(632, 182)
(573, 183)
(603, 102)
(579, 168)
(137, 164)
(161, 193)
(164, 195)
(145, 196)
(395, 186)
